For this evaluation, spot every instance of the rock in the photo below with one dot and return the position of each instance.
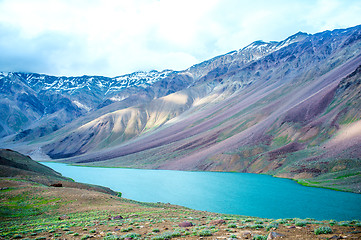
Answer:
(185, 224)
(274, 235)
(289, 227)
(336, 237)
(64, 217)
(56, 185)
(247, 235)
(118, 217)
(217, 222)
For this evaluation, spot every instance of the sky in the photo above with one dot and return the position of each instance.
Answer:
(116, 37)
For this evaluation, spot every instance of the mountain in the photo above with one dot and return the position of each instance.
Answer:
(38, 104)
(288, 108)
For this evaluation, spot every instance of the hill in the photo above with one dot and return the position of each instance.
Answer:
(14, 165)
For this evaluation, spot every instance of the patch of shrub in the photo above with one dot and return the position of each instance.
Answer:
(301, 223)
(204, 233)
(354, 221)
(126, 229)
(256, 226)
(167, 235)
(281, 221)
(272, 225)
(131, 236)
(259, 237)
(84, 237)
(344, 224)
(332, 222)
(232, 225)
(323, 230)
(112, 237)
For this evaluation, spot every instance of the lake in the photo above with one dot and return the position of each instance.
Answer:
(234, 193)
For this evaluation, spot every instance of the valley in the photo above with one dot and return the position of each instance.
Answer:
(289, 109)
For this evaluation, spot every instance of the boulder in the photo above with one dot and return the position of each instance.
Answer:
(64, 217)
(118, 217)
(247, 235)
(185, 224)
(217, 222)
(274, 235)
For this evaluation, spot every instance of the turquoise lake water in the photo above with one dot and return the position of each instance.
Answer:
(233, 193)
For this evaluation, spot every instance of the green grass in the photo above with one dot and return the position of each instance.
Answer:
(23, 206)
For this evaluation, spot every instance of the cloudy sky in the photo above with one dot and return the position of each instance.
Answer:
(115, 37)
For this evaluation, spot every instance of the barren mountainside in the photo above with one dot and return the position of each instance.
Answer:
(288, 108)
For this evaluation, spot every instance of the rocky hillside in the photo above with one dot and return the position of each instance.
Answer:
(288, 108)
(17, 167)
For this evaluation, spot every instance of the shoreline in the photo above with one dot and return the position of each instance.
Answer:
(302, 182)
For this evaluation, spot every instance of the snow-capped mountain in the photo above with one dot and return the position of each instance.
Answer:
(44, 103)
(71, 85)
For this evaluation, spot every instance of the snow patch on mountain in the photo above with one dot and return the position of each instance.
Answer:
(72, 85)
(82, 106)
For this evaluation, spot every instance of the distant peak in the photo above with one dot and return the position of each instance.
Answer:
(258, 42)
(298, 35)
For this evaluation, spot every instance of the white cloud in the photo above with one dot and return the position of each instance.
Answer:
(113, 37)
